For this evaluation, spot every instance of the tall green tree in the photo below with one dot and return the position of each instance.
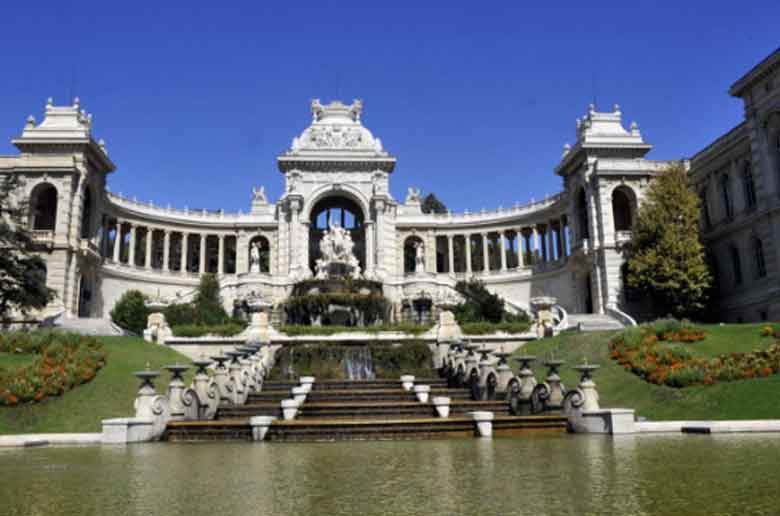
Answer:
(208, 303)
(432, 204)
(666, 258)
(22, 271)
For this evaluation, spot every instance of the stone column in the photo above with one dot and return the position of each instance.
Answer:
(370, 246)
(166, 250)
(131, 253)
(202, 255)
(450, 254)
(520, 257)
(485, 254)
(184, 246)
(117, 240)
(379, 209)
(148, 257)
(502, 238)
(543, 242)
(534, 243)
(221, 255)
(468, 253)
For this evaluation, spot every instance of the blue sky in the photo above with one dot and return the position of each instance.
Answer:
(476, 99)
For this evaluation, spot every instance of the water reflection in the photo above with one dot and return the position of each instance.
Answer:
(538, 474)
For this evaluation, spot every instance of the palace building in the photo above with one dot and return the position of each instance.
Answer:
(337, 202)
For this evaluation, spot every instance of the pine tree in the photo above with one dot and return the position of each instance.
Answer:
(22, 272)
(667, 259)
(431, 204)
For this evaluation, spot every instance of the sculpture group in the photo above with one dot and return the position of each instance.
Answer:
(337, 256)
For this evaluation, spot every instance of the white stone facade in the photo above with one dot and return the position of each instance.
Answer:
(568, 246)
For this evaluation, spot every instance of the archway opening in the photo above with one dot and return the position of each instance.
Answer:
(337, 211)
(259, 255)
(43, 201)
(622, 209)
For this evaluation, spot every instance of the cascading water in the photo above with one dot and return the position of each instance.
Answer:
(358, 363)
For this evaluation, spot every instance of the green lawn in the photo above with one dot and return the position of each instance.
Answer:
(744, 399)
(14, 360)
(110, 394)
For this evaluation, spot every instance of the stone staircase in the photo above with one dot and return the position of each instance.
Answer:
(362, 409)
(594, 322)
(84, 326)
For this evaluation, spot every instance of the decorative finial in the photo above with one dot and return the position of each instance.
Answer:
(591, 108)
(616, 108)
(634, 128)
(76, 102)
(30, 122)
(49, 102)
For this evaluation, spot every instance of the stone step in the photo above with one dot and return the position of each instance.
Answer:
(322, 385)
(594, 322)
(95, 327)
(359, 429)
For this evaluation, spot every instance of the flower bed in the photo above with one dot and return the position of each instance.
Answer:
(656, 354)
(62, 361)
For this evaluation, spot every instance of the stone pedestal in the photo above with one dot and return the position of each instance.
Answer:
(307, 382)
(299, 395)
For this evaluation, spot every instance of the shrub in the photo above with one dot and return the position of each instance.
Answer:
(403, 327)
(131, 312)
(207, 305)
(484, 328)
(195, 330)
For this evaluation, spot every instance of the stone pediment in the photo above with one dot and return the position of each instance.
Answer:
(336, 134)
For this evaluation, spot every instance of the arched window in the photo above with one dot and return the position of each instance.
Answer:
(259, 255)
(748, 185)
(725, 194)
(736, 264)
(621, 209)
(758, 258)
(86, 214)
(582, 214)
(411, 245)
(43, 203)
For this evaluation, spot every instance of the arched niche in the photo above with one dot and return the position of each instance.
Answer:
(339, 210)
(410, 253)
(86, 213)
(623, 208)
(582, 213)
(263, 254)
(43, 207)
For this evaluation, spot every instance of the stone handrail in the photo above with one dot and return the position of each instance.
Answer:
(483, 215)
(561, 317)
(620, 315)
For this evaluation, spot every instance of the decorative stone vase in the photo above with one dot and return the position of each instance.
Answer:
(407, 382)
(422, 392)
(289, 409)
(299, 394)
(484, 422)
(442, 404)
(260, 426)
(307, 382)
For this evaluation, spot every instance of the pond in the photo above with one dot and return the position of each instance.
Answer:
(544, 474)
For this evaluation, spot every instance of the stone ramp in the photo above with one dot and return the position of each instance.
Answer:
(594, 322)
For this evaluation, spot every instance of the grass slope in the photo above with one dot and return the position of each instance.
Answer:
(110, 394)
(744, 399)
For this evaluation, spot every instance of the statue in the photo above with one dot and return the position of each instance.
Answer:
(412, 196)
(258, 195)
(337, 258)
(254, 257)
(419, 258)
